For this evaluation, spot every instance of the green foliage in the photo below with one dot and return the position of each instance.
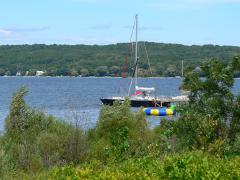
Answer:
(66, 172)
(102, 71)
(84, 72)
(86, 60)
(163, 140)
(171, 71)
(212, 115)
(195, 165)
(120, 131)
(34, 141)
(2, 72)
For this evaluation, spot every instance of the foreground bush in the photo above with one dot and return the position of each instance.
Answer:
(194, 165)
(119, 133)
(34, 141)
(212, 115)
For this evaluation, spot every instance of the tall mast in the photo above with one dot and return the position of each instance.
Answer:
(136, 51)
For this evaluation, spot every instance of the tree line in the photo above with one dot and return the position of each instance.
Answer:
(107, 60)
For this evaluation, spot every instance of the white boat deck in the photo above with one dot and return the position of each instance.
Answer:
(181, 98)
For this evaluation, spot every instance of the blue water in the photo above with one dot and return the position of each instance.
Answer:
(72, 98)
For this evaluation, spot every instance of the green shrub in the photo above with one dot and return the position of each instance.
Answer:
(119, 133)
(163, 140)
(212, 114)
(194, 165)
(34, 141)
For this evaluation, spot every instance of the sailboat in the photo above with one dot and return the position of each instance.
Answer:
(183, 91)
(143, 96)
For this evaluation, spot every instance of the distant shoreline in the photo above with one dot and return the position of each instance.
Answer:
(94, 77)
(160, 77)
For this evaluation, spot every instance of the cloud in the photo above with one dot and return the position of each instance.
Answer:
(5, 32)
(17, 32)
(9, 36)
(188, 4)
(27, 29)
(15, 35)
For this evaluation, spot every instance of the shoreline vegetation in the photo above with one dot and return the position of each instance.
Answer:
(108, 60)
(89, 77)
(84, 77)
(203, 142)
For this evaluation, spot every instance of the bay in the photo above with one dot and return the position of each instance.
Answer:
(76, 97)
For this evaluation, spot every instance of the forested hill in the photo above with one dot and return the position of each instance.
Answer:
(107, 60)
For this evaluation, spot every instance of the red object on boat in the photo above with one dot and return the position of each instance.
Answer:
(137, 93)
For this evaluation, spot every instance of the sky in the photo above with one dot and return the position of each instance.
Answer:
(189, 22)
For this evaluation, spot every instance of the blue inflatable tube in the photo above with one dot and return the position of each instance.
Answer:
(163, 111)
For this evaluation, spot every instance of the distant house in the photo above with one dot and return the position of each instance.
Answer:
(18, 74)
(40, 73)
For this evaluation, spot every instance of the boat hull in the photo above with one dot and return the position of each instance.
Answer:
(137, 103)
